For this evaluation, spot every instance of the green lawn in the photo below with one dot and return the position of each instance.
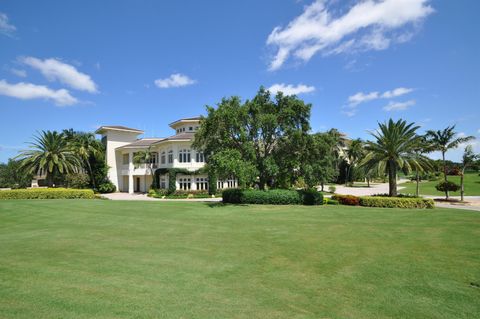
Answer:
(472, 186)
(113, 259)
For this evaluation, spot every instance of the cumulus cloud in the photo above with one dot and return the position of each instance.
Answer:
(398, 106)
(174, 80)
(362, 97)
(291, 89)
(28, 91)
(55, 70)
(5, 27)
(367, 25)
(17, 72)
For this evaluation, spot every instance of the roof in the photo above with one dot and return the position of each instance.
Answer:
(187, 119)
(181, 136)
(144, 142)
(117, 128)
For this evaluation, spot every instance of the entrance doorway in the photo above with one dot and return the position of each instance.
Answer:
(137, 185)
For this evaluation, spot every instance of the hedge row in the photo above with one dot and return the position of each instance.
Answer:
(387, 202)
(272, 197)
(396, 202)
(47, 193)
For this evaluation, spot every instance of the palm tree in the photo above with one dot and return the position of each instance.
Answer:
(85, 146)
(144, 157)
(421, 148)
(51, 153)
(354, 153)
(444, 140)
(393, 150)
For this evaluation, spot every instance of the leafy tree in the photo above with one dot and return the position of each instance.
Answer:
(444, 140)
(264, 131)
(51, 153)
(468, 159)
(422, 147)
(393, 149)
(144, 157)
(12, 176)
(320, 163)
(86, 147)
(228, 163)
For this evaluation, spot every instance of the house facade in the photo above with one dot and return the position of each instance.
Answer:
(168, 153)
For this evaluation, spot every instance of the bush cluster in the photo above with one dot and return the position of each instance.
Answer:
(447, 186)
(178, 194)
(329, 201)
(347, 199)
(47, 193)
(272, 197)
(107, 187)
(396, 202)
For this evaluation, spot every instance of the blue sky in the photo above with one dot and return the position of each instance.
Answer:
(144, 64)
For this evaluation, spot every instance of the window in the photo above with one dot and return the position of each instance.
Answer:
(154, 158)
(170, 157)
(202, 183)
(190, 128)
(162, 158)
(199, 157)
(185, 183)
(125, 159)
(163, 182)
(219, 184)
(184, 156)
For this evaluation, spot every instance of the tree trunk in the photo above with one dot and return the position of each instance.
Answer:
(50, 179)
(346, 175)
(392, 179)
(417, 190)
(462, 188)
(321, 184)
(368, 181)
(445, 174)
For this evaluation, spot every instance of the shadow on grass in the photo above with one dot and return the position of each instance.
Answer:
(221, 204)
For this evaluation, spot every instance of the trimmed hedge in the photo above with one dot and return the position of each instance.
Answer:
(396, 202)
(272, 197)
(47, 193)
(347, 199)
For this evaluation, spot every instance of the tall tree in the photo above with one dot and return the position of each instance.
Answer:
(423, 146)
(51, 153)
(145, 157)
(444, 140)
(319, 163)
(354, 154)
(263, 130)
(468, 159)
(393, 149)
(12, 176)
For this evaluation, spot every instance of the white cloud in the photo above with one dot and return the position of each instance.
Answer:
(368, 25)
(174, 80)
(361, 97)
(291, 89)
(20, 73)
(398, 106)
(5, 27)
(28, 91)
(55, 70)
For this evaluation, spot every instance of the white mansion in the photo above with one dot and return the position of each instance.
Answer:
(170, 152)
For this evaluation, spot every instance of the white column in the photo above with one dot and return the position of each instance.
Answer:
(130, 173)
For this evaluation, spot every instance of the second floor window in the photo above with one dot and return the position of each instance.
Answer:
(162, 158)
(184, 156)
(125, 159)
(170, 157)
(199, 157)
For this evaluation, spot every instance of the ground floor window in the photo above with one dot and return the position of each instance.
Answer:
(202, 183)
(185, 183)
(163, 182)
(228, 183)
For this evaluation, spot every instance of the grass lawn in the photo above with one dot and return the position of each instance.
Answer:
(472, 186)
(114, 259)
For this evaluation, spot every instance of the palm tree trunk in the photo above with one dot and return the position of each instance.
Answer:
(445, 174)
(346, 175)
(392, 179)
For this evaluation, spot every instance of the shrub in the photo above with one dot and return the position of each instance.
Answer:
(329, 201)
(447, 186)
(107, 187)
(311, 197)
(396, 202)
(332, 189)
(47, 193)
(77, 180)
(273, 197)
(232, 196)
(347, 199)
